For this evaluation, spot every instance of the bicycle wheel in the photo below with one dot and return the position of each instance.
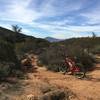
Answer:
(63, 69)
(79, 75)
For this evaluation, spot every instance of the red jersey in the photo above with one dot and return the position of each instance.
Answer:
(72, 66)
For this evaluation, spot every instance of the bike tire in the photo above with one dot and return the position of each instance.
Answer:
(79, 75)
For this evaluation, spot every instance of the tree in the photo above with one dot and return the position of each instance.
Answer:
(93, 35)
(16, 28)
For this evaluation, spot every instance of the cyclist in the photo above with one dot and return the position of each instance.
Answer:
(71, 64)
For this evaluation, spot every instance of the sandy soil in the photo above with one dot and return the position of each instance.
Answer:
(37, 82)
(86, 89)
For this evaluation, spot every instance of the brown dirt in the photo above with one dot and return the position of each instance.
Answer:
(39, 81)
(86, 89)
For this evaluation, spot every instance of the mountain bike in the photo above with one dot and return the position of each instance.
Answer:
(78, 70)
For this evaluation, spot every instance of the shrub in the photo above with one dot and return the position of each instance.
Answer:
(18, 73)
(96, 50)
(8, 59)
(30, 44)
(53, 57)
(5, 69)
(39, 63)
(7, 52)
(86, 61)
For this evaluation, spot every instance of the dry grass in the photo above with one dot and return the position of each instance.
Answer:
(44, 84)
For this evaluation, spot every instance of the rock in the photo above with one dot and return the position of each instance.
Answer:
(30, 97)
(53, 95)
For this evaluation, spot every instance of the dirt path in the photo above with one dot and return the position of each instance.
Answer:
(87, 89)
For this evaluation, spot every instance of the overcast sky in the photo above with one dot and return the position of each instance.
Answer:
(54, 18)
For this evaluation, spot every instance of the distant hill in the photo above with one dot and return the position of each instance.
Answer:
(51, 39)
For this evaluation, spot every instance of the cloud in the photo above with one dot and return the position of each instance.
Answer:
(55, 7)
(20, 11)
(57, 18)
(66, 31)
(17, 11)
(93, 14)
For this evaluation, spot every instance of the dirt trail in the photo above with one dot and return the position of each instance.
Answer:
(86, 89)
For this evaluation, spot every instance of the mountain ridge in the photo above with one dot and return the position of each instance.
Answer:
(51, 39)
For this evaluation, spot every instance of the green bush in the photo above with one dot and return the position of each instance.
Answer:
(17, 73)
(5, 69)
(53, 67)
(87, 61)
(39, 63)
(96, 49)
(33, 45)
(7, 52)
(8, 59)
(53, 57)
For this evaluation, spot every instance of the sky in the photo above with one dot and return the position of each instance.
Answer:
(52, 18)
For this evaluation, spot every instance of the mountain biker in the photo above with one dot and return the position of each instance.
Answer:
(71, 65)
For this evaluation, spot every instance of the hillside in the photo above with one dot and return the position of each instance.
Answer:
(11, 36)
(38, 43)
(13, 47)
(28, 43)
(18, 37)
(91, 43)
